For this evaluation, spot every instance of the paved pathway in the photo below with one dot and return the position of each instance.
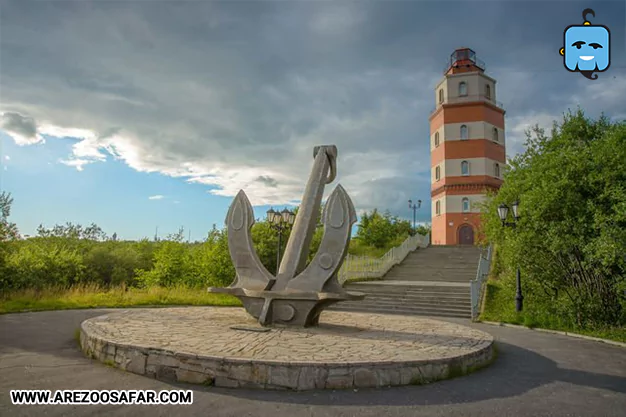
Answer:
(536, 374)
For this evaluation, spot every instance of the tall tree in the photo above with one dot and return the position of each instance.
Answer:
(8, 230)
(571, 239)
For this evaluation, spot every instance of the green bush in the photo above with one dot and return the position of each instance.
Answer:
(571, 238)
(39, 263)
(68, 255)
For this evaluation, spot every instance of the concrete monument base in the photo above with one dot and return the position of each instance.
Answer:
(226, 347)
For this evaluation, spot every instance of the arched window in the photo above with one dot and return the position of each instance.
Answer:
(437, 174)
(436, 139)
(438, 208)
(464, 135)
(462, 88)
(487, 91)
(466, 205)
(441, 95)
(497, 170)
(495, 134)
(464, 168)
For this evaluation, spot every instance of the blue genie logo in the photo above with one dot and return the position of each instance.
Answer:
(586, 47)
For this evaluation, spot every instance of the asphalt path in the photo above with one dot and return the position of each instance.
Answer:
(536, 374)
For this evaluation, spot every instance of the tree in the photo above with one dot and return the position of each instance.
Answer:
(382, 230)
(8, 230)
(571, 238)
(73, 231)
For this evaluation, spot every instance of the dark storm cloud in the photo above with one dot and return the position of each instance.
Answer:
(19, 126)
(268, 181)
(225, 93)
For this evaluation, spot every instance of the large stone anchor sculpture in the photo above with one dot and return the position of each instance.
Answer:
(296, 295)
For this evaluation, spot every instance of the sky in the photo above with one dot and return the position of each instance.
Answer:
(143, 114)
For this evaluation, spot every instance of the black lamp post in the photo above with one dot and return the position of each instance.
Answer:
(503, 211)
(413, 206)
(280, 220)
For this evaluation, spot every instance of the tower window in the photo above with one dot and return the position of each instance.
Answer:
(437, 173)
(495, 134)
(497, 170)
(440, 95)
(436, 139)
(466, 205)
(464, 135)
(438, 208)
(462, 88)
(464, 168)
(487, 91)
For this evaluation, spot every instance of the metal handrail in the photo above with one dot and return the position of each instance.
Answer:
(450, 62)
(367, 267)
(477, 285)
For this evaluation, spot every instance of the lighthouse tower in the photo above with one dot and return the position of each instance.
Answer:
(467, 148)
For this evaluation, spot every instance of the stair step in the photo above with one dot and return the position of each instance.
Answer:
(434, 271)
(407, 312)
(418, 276)
(435, 260)
(392, 305)
(395, 289)
(409, 305)
(428, 264)
(419, 295)
(417, 299)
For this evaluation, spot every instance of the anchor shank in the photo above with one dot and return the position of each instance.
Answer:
(298, 245)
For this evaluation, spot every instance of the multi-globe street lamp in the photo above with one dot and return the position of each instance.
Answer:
(503, 212)
(414, 206)
(280, 220)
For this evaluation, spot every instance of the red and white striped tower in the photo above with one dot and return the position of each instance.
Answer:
(467, 148)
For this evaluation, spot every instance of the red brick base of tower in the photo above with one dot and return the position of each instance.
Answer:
(446, 227)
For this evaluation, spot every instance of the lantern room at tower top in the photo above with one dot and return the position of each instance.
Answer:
(467, 148)
(463, 60)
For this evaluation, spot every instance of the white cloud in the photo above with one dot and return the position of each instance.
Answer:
(156, 197)
(214, 94)
(75, 162)
(517, 126)
(7, 157)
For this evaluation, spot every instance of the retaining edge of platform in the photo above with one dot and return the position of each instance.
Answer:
(170, 366)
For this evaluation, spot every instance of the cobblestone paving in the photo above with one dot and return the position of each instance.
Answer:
(341, 338)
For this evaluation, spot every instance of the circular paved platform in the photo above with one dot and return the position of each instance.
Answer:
(226, 347)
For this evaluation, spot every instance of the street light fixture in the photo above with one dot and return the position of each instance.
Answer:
(280, 220)
(503, 211)
(414, 207)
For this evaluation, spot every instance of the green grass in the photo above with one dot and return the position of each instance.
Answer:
(94, 297)
(363, 279)
(83, 297)
(500, 307)
(357, 248)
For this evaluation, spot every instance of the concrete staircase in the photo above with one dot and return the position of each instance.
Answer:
(433, 281)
